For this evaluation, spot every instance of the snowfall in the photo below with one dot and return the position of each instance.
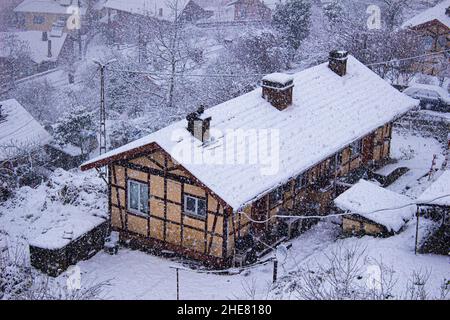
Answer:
(33, 213)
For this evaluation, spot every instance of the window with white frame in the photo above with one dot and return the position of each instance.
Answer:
(195, 206)
(356, 148)
(301, 181)
(137, 197)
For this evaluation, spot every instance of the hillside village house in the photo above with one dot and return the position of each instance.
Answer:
(48, 15)
(197, 186)
(43, 50)
(434, 25)
(126, 16)
(241, 11)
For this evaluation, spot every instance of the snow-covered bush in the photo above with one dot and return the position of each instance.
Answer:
(347, 273)
(18, 281)
(77, 127)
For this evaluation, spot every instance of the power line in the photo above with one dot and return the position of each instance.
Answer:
(409, 58)
(340, 214)
(258, 74)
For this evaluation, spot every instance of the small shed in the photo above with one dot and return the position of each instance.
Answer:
(78, 238)
(434, 203)
(373, 210)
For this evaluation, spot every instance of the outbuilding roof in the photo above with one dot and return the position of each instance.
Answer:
(371, 201)
(438, 192)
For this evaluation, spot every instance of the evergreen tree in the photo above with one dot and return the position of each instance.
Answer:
(77, 127)
(292, 19)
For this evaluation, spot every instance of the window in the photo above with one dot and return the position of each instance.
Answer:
(275, 196)
(356, 148)
(38, 19)
(301, 181)
(195, 206)
(137, 197)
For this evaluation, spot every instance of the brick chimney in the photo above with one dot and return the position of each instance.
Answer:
(338, 62)
(277, 89)
(49, 48)
(44, 36)
(198, 125)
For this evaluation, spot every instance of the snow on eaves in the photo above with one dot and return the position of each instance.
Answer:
(438, 192)
(328, 113)
(435, 13)
(19, 128)
(369, 201)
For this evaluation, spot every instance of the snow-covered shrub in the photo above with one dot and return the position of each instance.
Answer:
(347, 273)
(77, 127)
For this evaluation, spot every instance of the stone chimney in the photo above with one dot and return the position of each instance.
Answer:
(338, 62)
(44, 36)
(277, 89)
(198, 125)
(49, 48)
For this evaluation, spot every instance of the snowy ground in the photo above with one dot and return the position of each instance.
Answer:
(137, 275)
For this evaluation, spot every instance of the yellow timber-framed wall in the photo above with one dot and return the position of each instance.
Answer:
(212, 239)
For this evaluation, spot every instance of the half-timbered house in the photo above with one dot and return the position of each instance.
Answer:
(210, 185)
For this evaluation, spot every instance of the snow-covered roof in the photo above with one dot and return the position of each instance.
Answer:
(272, 4)
(19, 128)
(369, 201)
(328, 113)
(438, 192)
(435, 13)
(66, 231)
(38, 49)
(277, 77)
(151, 8)
(49, 6)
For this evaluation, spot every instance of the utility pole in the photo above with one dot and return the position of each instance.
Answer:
(102, 111)
(102, 134)
(80, 48)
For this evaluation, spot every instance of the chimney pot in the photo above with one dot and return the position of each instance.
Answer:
(277, 88)
(338, 62)
(49, 47)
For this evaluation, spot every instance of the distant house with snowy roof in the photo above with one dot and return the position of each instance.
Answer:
(18, 129)
(43, 50)
(164, 10)
(373, 210)
(242, 11)
(206, 186)
(434, 25)
(49, 15)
